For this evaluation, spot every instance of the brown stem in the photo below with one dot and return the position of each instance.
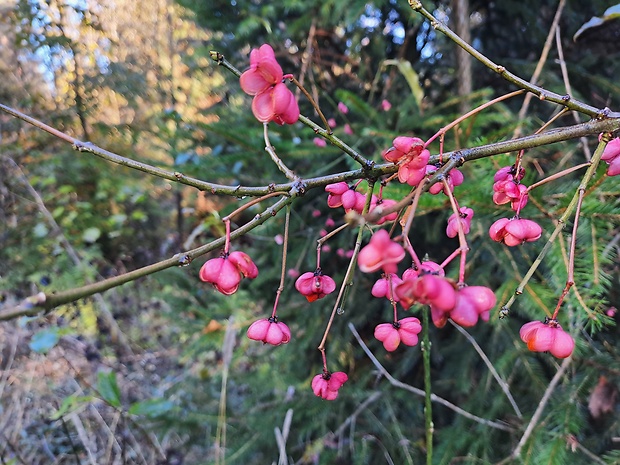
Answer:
(558, 175)
(463, 247)
(446, 128)
(570, 278)
(287, 219)
(249, 204)
(348, 277)
(312, 102)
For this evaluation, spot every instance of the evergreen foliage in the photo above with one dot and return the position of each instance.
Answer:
(138, 81)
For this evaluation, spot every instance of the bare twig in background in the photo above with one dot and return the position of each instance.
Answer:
(89, 447)
(282, 436)
(503, 384)
(435, 398)
(569, 92)
(115, 332)
(539, 66)
(539, 410)
(227, 353)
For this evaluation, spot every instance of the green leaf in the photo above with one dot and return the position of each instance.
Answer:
(411, 76)
(45, 339)
(108, 388)
(151, 407)
(611, 13)
(70, 403)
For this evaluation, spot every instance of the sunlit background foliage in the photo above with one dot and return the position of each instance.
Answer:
(136, 79)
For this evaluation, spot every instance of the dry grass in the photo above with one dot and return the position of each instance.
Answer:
(34, 386)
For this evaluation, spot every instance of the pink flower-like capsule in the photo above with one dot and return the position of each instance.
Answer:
(473, 302)
(505, 191)
(404, 147)
(547, 337)
(269, 331)
(521, 200)
(410, 154)
(326, 385)
(410, 172)
(611, 155)
(263, 73)
(276, 104)
(225, 272)
(335, 191)
(380, 253)
(382, 287)
(507, 173)
(507, 188)
(454, 178)
(515, 231)
(465, 216)
(341, 195)
(353, 201)
(315, 285)
(405, 330)
(427, 289)
(427, 267)
(342, 108)
(383, 203)
(386, 105)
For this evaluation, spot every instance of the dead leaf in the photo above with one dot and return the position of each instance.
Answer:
(212, 327)
(603, 398)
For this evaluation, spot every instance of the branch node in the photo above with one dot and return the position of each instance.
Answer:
(216, 56)
(300, 188)
(183, 259)
(415, 5)
(84, 146)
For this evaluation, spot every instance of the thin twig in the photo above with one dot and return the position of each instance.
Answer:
(561, 221)
(539, 66)
(419, 392)
(425, 347)
(543, 94)
(567, 86)
(541, 406)
(227, 353)
(348, 277)
(16, 453)
(282, 436)
(271, 150)
(502, 384)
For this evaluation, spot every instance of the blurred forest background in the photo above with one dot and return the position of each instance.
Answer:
(138, 374)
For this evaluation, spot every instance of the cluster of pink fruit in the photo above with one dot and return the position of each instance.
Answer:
(424, 282)
(507, 188)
